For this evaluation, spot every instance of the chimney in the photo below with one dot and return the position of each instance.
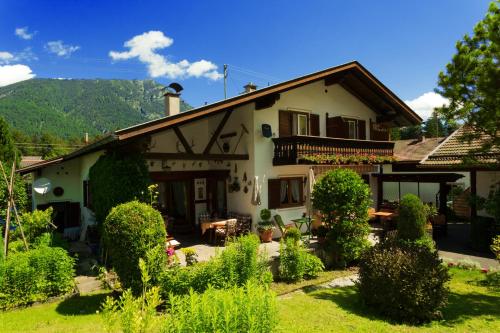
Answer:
(172, 103)
(249, 87)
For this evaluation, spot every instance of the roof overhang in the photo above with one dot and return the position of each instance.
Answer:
(352, 76)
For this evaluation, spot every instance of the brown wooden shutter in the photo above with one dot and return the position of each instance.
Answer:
(361, 129)
(273, 193)
(336, 127)
(314, 121)
(285, 124)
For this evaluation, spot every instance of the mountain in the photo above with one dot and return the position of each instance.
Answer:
(69, 108)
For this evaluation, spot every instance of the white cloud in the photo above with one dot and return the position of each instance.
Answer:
(23, 33)
(6, 57)
(144, 47)
(425, 104)
(59, 48)
(14, 73)
(25, 55)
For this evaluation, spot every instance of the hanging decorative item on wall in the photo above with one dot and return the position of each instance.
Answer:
(235, 186)
(244, 177)
(245, 189)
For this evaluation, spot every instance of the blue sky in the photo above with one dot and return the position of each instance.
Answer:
(404, 43)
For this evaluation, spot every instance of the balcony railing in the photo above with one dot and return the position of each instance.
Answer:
(323, 150)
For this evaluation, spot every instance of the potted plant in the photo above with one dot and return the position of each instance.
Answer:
(265, 226)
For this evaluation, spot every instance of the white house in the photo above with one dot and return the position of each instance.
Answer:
(207, 159)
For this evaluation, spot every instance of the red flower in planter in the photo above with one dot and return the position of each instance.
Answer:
(484, 270)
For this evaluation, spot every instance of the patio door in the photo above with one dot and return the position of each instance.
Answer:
(179, 204)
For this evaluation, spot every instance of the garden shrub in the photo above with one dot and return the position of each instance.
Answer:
(412, 218)
(495, 247)
(190, 255)
(20, 193)
(239, 263)
(293, 233)
(132, 231)
(251, 308)
(117, 178)
(404, 282)
(344, 198)
(35, 275)
(37, 223)
(296, 263)
(133, 314)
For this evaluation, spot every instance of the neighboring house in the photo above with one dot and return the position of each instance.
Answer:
(208, 159)
(455, 154)
(27, 161)
(406, 175)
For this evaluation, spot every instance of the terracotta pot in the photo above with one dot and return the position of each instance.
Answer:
(266, 236)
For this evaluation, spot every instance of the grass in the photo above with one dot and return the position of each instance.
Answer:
(472, 308)
(281, 288)
(76, 314)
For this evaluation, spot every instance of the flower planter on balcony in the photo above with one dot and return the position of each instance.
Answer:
(321, 150)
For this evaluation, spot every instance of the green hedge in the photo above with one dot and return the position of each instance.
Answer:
(132, 231)
(117, 178)
(35, 275)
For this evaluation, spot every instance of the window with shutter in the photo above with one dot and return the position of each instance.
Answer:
(285, 124)
(336, 127)
(285, 192)
(314, 121)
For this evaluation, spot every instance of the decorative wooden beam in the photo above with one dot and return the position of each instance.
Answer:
(183, 140)
(193, 157)
(217, 132)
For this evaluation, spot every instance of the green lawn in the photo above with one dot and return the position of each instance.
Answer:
(472, 308)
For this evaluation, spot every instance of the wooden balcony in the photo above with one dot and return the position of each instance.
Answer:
(323, 150)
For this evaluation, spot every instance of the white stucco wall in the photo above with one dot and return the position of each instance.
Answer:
(486, 179)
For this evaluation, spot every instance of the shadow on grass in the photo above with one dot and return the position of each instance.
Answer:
(465, 306)
(346, 298)
(460, 308)
(81, 305)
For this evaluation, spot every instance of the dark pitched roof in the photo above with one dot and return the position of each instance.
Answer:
(352, 76)
(415, 149)
(452, 151)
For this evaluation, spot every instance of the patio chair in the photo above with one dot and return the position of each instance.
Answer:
(243, 225)
(283, 227)
(224, 233)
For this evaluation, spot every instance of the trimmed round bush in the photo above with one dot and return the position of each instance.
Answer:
(344, 198)
(405, 282)
(412, 218)
(132, 231)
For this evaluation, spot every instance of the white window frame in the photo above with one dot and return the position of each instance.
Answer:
(355, 129)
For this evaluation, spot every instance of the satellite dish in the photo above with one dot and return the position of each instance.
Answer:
(42, 186)
(177, 87)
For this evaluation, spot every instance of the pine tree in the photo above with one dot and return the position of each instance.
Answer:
(472, 79)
